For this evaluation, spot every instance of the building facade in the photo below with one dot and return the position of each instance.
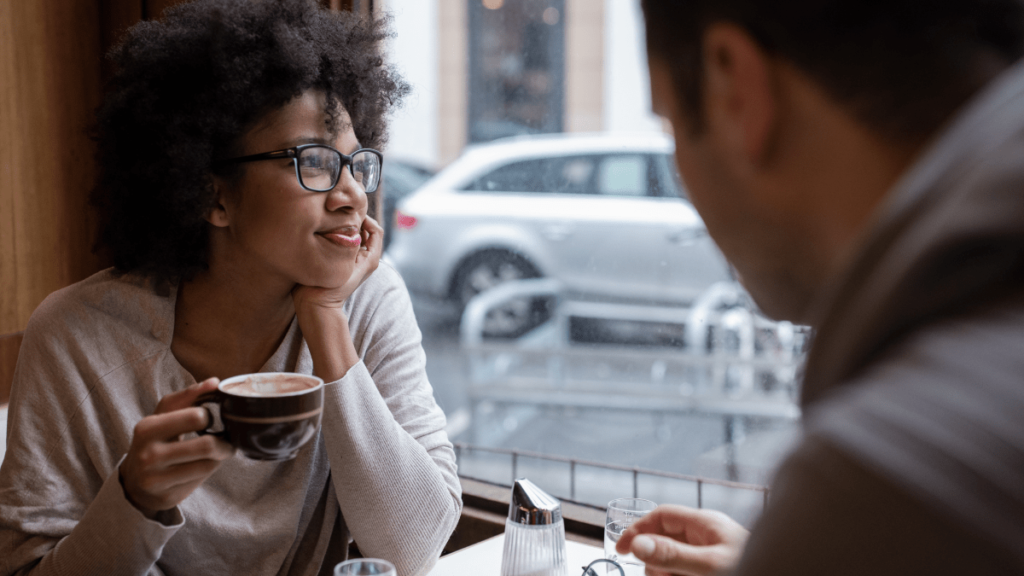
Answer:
(485, 69)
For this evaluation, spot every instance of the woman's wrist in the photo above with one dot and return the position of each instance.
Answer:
(330, 342)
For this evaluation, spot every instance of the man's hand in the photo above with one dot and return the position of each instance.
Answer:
(680, 540)
(160, 469)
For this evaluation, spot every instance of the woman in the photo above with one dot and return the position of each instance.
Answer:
(233, 198)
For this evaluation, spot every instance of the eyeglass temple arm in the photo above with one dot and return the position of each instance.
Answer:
(289, 153)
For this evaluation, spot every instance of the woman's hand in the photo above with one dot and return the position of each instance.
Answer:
(367, 260)
(160, 469)
(318, 310)
(680, 540)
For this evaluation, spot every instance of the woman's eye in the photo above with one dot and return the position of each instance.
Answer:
(312, 162)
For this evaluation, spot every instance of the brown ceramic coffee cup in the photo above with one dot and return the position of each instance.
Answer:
(267, 416)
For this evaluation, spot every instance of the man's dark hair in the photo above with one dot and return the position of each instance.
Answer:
(902, 67)
(188, 86)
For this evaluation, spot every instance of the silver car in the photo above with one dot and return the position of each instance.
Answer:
(604, 214)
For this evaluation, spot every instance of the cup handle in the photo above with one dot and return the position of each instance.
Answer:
(214, 424)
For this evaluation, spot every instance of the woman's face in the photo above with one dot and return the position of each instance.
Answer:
(269, 225)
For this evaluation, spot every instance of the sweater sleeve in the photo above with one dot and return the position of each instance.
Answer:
(830, 514)
(391, 462)
(62, 507)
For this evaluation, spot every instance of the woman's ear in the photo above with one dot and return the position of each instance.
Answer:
(218, 214)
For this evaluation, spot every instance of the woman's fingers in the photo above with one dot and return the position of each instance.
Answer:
(194, 449)
(168, 479)
(168, 426)
(167, 488)
(159, 467)
(373, 239)
(185, 398)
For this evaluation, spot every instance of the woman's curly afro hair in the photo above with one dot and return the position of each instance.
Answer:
(185, 90)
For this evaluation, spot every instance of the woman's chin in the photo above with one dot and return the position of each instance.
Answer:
(335, 278)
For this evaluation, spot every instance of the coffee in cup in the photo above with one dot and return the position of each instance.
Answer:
(266, 416)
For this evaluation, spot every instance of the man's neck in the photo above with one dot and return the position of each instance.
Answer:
(830, 182)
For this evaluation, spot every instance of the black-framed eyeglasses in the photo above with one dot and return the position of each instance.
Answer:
(318, 166)
(589, 569)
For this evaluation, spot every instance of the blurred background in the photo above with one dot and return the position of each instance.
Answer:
(573, 308)
(581, 327)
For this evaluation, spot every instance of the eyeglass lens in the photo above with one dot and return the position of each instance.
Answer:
(320, 168)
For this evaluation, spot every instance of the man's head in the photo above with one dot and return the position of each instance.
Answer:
(794, 117)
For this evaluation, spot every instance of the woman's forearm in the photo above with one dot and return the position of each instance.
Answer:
(392, 465)
(330, 344)
(399, 495)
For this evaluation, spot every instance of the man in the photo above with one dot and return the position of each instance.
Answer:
(861, 163)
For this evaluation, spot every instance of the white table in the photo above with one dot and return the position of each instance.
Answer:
(484, 558)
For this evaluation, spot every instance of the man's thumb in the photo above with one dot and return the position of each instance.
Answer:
(643, 547)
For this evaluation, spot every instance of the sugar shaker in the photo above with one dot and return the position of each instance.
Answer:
(534, 534)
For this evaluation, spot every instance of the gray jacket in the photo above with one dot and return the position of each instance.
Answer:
(914, 389)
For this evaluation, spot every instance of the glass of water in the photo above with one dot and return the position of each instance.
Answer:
(365, 567)
(622, 513)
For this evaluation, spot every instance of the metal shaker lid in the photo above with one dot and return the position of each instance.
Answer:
(531, 505)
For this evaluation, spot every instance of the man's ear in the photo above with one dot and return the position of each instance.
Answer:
(218, 215)
(740, 92)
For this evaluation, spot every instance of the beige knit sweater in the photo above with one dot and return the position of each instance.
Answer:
(96, 359)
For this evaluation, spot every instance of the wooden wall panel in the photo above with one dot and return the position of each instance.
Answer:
(154, 9)
(116, 16)
(8, 112)
(49, 88)
(9, 344)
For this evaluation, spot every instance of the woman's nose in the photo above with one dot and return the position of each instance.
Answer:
(346, 194)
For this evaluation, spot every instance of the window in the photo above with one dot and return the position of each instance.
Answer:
(516, 68)
(606, 175)
(670, 184)
(645, 352)
(623, 176)
(553, 175)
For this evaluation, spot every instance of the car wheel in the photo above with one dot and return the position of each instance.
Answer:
(493, 268)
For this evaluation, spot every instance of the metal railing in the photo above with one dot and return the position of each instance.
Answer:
(729, 352)
(698, 481)
(733, 364)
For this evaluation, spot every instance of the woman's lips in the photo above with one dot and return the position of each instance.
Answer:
(347, 237)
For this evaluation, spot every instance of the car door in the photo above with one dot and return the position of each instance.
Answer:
(589, 218)
(618, 245)
(693, 261)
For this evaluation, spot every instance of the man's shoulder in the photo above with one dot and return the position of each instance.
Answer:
(968, 363)
(939, 415)
(981, 344)
(833, 512)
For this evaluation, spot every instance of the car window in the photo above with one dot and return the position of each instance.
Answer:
(669, 183)
(623, 176)
(563, 175)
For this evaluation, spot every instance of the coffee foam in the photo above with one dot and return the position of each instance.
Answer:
(269, 386)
